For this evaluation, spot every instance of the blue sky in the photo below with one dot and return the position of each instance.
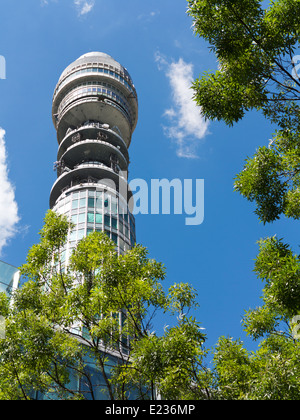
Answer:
(155, 42)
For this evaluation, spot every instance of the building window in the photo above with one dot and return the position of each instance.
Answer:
(99, 203)
(114, 223)
(107, 220)
(90, 217)
(82, 202)
(73, 236)
(80, 234)
(114, 205)
(98, 218)
(81, 218)
(114, 237)
(74, 219)
(91, 202)
(106, 202)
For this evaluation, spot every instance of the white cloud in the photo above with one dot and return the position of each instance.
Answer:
(187, 125)
(8, 207)
(84, 6)
(46, 2)
(147, 17)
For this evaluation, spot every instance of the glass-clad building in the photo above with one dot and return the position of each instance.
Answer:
(9, 278)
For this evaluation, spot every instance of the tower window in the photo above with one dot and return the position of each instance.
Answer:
(98, 218)
(114, 223)
(107, 220)
(91, 202)
(90, 217)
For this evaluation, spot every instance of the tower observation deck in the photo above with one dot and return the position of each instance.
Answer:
(94, 111)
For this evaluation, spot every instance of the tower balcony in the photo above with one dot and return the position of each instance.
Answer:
(93, 130)
(94, 150)
(96, 109)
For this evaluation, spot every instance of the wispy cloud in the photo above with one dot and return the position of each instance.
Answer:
(84, 6)
(46, 2)
(187, 125)
(8, 207)
(148, 17)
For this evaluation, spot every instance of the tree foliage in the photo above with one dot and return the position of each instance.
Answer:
(272, 372)
(256, 50)
(256, 47)
(84, 331)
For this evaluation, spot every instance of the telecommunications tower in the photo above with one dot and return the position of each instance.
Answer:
(95, 111)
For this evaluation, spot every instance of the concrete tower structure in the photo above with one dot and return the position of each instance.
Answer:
(95, 111)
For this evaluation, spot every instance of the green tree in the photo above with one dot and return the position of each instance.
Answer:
(256, 50)
(273, 372)
(270, 373)
(90, 323)
(256, 47)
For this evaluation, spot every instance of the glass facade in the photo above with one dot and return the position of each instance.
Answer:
(91, 209)
(92, 385)
(124, 79)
